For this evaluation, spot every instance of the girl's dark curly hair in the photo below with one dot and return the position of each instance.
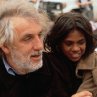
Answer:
(63, 25)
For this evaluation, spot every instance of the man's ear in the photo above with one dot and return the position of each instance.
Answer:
(5, 49)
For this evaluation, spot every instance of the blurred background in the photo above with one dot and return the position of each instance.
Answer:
(56, 7)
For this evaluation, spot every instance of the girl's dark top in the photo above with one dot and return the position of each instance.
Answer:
(55, 79)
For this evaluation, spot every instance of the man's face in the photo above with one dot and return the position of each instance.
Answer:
(25, 55)
(74, 45)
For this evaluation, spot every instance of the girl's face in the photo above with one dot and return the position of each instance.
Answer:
(74, 45)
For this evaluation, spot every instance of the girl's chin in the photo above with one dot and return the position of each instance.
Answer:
(75, 59)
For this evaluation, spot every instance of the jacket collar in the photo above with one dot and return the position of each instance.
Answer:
(88, 63)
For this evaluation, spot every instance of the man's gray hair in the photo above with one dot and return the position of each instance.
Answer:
(22, 8)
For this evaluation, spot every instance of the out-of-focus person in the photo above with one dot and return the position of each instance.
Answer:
(86, 7)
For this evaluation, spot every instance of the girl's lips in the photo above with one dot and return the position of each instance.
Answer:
(75, 55)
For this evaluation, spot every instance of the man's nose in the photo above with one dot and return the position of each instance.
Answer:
(38, 43)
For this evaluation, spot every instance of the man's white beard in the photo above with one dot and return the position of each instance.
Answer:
(24, 64)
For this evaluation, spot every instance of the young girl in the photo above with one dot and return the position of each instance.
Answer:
(71, 41)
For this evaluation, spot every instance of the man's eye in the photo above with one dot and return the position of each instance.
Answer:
(41, 34)
(27, 38)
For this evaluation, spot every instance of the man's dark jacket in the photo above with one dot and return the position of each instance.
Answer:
(52, 80)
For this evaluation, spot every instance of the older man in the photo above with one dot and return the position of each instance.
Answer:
(21, 44)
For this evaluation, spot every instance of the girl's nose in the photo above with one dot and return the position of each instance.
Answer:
(75, 48)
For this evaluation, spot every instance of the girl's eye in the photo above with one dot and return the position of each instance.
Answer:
(82, 42)
(68, 43)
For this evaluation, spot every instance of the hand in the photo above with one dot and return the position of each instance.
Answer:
(83, 94)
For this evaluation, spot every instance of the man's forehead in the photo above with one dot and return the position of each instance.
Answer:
(20, 20)
(22, 25)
